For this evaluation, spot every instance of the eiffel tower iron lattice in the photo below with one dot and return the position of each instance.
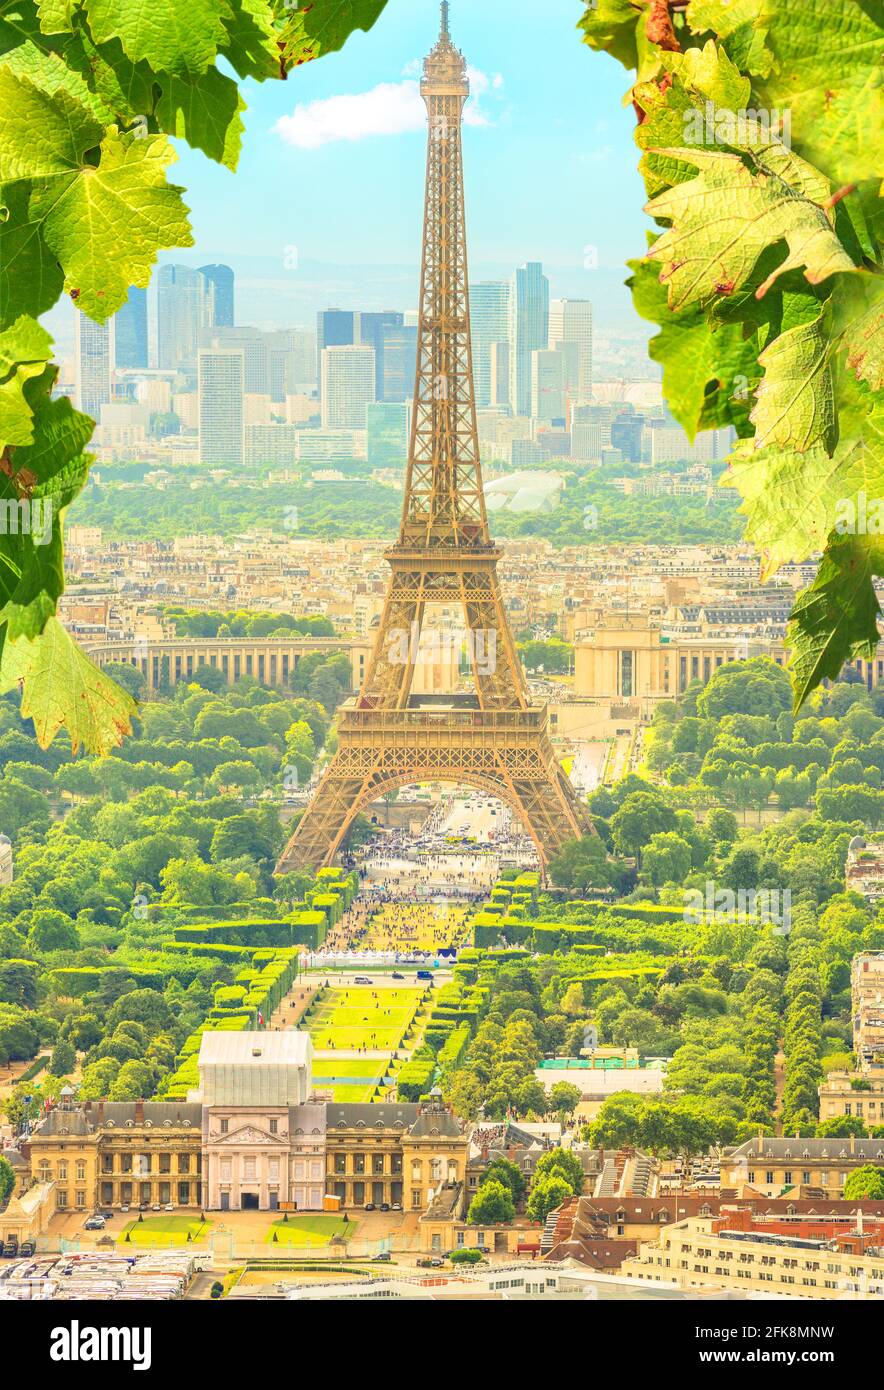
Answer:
(496, 739)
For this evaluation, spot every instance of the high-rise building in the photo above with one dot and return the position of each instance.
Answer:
(222, 280)
(570, 322)
(334, 328)
(220, 389)
(369, 331)
(185, 309)
(387, 434)
(397, 363)
(255, 347)
(348, 386)
(499, 375)
(489, 324)
(130, 330)
(591, 431)
(94, 351)
(548, 385)
(529, 330)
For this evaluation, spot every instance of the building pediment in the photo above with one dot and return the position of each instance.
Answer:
(250, 1134)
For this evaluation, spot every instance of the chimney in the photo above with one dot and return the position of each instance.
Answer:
(139, 1112)
(759, 1142)
(100, 1113)
(853, 1143)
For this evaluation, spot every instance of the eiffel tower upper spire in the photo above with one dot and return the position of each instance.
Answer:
(443, 32)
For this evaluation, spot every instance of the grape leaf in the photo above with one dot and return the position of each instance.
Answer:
(312, 30)
(40, 133)
(24, 352)
(30, 278)
(793, 501)
(828, 76)
(795, 401)
(51, 73)
(722, 222)
(693, 358)
(738, 24)
(172, 36)
(56, 15)
(612, 25)
(63, 688)
(206, 112)
(835, 619)
(250, 39)
(864, 332)
(106, 223)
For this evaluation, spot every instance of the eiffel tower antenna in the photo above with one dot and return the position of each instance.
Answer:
(495, 739)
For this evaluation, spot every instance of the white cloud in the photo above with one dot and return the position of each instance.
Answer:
(391, 108)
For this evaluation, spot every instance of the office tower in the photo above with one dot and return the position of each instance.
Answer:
(529, 330)
(221, 279)
(489, 324)
(369, 330)
(94, 353)
(570, 321)
(220, 388)
(499, 375)
(334, 328)
(347, 386)
(304, 378)
(626, 434)
(387, 434)
(397, 364)
(548, 385)
(185, 309)
(255, 347)
(130, 330)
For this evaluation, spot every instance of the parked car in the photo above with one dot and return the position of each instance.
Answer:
(156, 1207)
(10, 1249)
(95, 1223)
(144, 1206)
(26, 1249)
(436, 1262)
(105, 1215)
(170, 1206)
(397, 976)
(369, 1206)
(424, 975)
(385, 1206)
(383, 1258)
(362, 980)
(397, 1206)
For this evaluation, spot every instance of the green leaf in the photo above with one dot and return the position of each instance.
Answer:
(612, 25)
(864, 332)
(828, 75)
(171, 35)
(41, 134)
(63, 688)
(323, 27)
(738, 24)
(205, 111)
(795, 401)
(109, 221)
(56, 15)
(51, 73)
(250, 39)
(707, 375)
(25, 348)
(835, 619)
(30, 277)
(725, 218)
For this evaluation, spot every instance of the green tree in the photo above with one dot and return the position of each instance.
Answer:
(547, 1193)
(564, 1097)
(563, 1163)
(492, 1205)
(867, 1181)
(7, 1181)
(510, 1174)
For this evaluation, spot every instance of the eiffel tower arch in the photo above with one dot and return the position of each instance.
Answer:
(495, 739)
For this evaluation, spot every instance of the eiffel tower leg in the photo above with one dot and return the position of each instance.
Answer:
(325, 822)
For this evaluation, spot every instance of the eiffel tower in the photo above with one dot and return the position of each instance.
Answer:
(496, 739)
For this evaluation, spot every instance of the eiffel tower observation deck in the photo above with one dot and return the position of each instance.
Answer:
(495, 738)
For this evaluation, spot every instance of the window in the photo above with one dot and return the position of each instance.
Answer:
(274, 1126)
(61, 1199)
(80, 1199)
(81, 1170)
(225, 1126)
(62, 1171)
(184, 1163)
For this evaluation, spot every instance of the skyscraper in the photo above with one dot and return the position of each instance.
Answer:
(529, 330)
(130, 330)
(499, 374)
(255, 348)
(222, 279)
(334, 328)
(185, 308)
(348, 386)
(397, 362)
(548, 385)
(220, 389)
(570, 322)
(489, 324)
(94, 348)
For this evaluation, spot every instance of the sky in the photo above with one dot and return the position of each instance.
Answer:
(326, 206)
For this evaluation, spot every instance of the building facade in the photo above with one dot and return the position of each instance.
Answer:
(529, 330)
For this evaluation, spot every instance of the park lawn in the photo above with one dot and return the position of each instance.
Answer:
(352, 1019)
(353, 1095)
(165, 1230)
(349, 1066)
(309, 1228)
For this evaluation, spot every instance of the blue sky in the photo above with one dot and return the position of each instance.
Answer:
(550, 170)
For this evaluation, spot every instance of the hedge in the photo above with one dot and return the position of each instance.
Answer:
(415, 1078)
